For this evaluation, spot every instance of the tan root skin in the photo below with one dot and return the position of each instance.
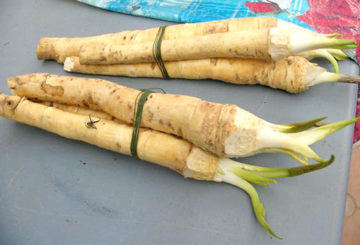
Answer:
(60, 48)
(244, 44)
(79, 110)
(199, 164)
(162, 149)
(203, 123)
(290, 74)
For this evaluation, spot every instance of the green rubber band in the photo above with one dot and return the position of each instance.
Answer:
(139, 105)
(157, 52)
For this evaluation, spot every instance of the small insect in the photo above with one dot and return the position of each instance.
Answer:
(91, 123)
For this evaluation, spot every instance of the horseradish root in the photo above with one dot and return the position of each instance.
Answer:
(223, 129)
(256, 37)
(273, 44)
(293, 74)
(160, 148)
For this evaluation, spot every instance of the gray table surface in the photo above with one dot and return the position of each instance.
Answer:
(58, 191)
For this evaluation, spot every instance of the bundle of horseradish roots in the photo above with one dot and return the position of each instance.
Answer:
(261, 50)
(196, 138)
(193, 137)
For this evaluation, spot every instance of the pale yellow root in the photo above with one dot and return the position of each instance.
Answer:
(159, 148)
(223, 129)
(290, 74)
(153, 146)
(243, 44)
(93, 114)
(60, 48)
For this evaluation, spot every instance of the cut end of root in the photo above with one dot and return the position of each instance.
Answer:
(45, 49)
(69, 64)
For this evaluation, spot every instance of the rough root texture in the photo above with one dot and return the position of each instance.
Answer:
(203, 123)
(153, 146)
